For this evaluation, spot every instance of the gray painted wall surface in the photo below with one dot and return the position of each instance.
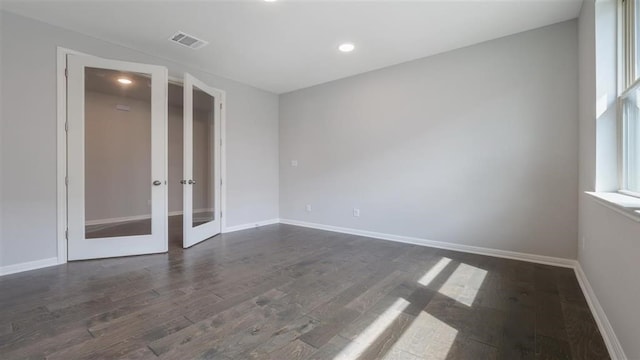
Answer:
(609, 247)
(28, 145)
(1, 127)
(477, 146)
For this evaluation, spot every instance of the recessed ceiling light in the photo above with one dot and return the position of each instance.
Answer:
(270, 0)
(124, 81)
(346, 47)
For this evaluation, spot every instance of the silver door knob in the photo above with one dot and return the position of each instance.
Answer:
(157, 183)
(192, 182)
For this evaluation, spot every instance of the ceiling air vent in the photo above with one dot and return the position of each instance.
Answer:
(187, 40)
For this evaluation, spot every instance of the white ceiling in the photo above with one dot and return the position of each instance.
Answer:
(287, 45)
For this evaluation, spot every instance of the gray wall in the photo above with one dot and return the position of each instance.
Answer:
(609, 248)
(28, 145)
(476, 146)
(1, 127)
(117, 157)
(118, 151)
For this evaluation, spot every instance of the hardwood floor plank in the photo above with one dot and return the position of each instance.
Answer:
(34, 346)
(295, 350)
(549, 316)
(518, 340)
(470, 349)
(331, 349)
(583, 335)
(153, 314)
(569, 288)
(283, 336)
(552, 349)
(120, 343)
(264, 284)
(225, 322)
(6, 328)
(330, 327)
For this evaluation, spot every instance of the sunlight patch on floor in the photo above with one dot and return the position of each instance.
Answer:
(464, 283)
(358, 346)
(428, 277)
(439, 331)
(427, 337)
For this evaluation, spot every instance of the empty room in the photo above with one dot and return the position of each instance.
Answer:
(306, 179)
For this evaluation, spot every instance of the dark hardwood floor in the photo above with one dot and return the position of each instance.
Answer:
(285, 292)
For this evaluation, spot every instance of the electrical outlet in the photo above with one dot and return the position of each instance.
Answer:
(356, 212)
(308, 207)
(294, 163)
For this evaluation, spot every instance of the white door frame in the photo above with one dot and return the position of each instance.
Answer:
(61, 151)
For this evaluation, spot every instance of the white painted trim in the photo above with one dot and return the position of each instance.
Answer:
(61, 149)
(136, 217)
(223, 165)
(620, 203)
(610, 339)
(539, 259)
(250, 225)
(117, 220)
(26, 266)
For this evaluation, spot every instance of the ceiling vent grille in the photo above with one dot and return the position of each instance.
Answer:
(187, 40)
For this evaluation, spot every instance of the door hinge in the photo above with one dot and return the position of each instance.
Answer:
(66, 126)
(221, 214)
(66, 72)
(66, 180)
(220, 182)
(220, 106)
(66, 234)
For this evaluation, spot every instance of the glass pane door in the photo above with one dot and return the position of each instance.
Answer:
(116, 158)
(201, 161)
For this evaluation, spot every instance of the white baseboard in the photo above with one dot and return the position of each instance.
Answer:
(117, 220)
(540, 259)
(136, 217)
(610, 339)
(26, 266)
(229, 229)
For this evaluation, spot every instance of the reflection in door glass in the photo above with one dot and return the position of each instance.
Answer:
(117, 153)
(203, 157)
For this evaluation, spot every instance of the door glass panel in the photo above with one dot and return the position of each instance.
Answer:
(117, 153)
(203, 157)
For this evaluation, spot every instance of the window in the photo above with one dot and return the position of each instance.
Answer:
(629, 99)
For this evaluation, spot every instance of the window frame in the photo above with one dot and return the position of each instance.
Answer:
(628, 83)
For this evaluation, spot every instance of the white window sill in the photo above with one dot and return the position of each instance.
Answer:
(626, 205)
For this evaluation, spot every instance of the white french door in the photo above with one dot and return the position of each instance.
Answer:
(202, 161)
(116, 158)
